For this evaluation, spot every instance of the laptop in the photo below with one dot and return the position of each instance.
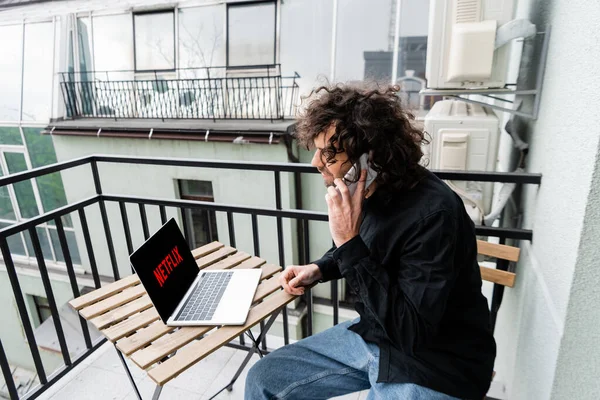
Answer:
(184, 295)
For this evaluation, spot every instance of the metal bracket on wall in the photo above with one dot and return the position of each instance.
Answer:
(494, 93)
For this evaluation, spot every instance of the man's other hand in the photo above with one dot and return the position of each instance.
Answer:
(296, 277)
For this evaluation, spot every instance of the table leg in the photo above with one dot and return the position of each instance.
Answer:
(158, 388)
(157, 392)
(255, 348)
(135, 388)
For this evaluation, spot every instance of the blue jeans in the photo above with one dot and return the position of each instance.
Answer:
(332, 363)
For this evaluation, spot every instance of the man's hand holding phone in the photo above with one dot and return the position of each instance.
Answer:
(345, 210)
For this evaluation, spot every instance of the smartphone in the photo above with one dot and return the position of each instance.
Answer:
(351, 178)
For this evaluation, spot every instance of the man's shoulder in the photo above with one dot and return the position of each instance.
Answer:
(430, 196)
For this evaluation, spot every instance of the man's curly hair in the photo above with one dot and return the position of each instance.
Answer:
(366, 120)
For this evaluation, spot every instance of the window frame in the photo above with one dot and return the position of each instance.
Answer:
(245, 4)
(210, 213)
(159, 11)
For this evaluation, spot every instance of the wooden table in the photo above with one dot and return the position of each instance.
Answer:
(123, 312)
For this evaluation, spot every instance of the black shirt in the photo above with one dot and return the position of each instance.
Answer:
(414, 270)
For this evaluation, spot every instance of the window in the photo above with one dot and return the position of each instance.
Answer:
(27, 199)
(154, 40)
(37, 71)
(42, 310)
(251, 34)
(201, 224)
(10, 71)
(113, 45)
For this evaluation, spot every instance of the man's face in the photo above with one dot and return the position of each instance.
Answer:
(332, 170)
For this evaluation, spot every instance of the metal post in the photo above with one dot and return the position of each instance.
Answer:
(8, 378)
(257, 254)
(286, 333)
(333, 41)
(89, 247)
(72, 278)
(109, 242)
(396, 42)
(144, 219)
(308, 294)
(19, 299)
(163, 214)
(49, 295)
(123, 208)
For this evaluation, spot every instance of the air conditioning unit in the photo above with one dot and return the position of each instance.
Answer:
(461, 46)
(464, 137)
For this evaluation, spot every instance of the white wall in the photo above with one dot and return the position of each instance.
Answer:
(578, 365)
(540, 321)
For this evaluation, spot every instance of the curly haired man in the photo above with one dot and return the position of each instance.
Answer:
(407, 249)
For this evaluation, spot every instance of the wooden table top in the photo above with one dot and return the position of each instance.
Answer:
(123, 312)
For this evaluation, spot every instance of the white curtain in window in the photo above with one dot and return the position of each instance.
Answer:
(201, 39)
(251, 34)
(10, 72)
(37, 74)
(113, 45)
(154, 41)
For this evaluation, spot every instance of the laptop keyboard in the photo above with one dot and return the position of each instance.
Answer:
(205, 298)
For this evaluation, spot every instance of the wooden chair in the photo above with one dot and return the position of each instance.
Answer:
(499, 276)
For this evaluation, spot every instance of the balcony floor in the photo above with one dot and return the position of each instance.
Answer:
(101, 376)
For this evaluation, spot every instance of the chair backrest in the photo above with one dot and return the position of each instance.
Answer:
(502, 252)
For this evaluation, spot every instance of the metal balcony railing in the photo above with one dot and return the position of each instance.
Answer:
(100, 199)
(260, 93)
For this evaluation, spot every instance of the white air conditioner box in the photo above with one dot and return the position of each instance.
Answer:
(464, 137)
(461, 50)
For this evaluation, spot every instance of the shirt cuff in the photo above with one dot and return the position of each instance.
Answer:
(329, 269)
(350, 253)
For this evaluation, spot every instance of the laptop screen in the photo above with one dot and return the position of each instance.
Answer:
(166, 268)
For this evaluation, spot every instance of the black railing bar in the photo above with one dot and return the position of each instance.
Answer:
(144, 219)
(163, 216)
(105, 223)
(37, 248)
(255, 239)
(89, 248)
(185, 225)
(504, 233)
(7, 373)
(62, 371)
(313, 215)
(180, 80)
(482, 176)
(277, 177)
(182, 162)
(109, 241)
(509, 233)
(72, 278)
(335, 301)
(231, 229)
(176, 69)
(125, 220)
(308, 294)
(20, 300)
(40, 219)
(40, 171)
(475, 176)
(256, 243)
